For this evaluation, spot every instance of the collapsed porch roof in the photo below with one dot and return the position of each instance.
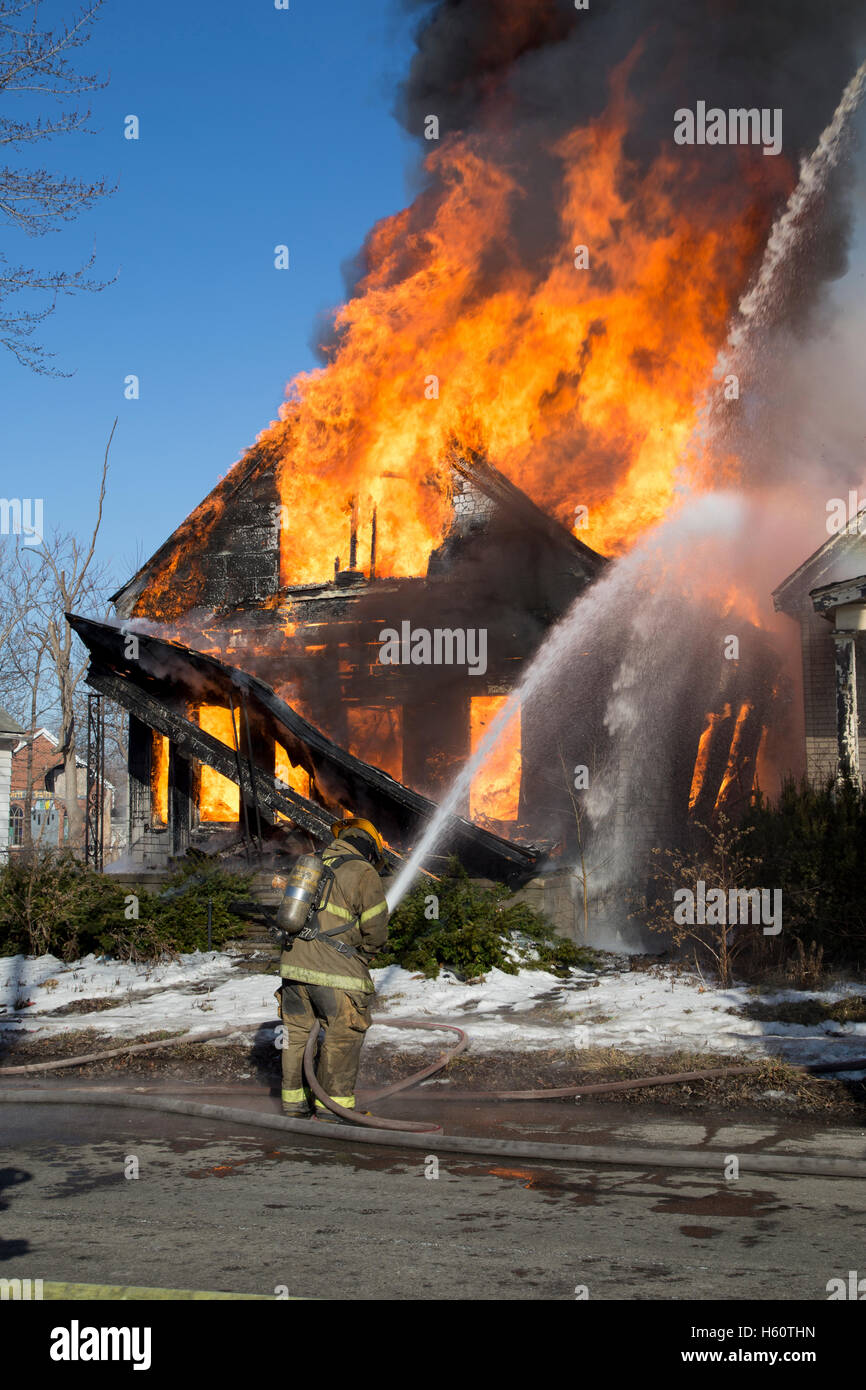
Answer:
(164, 677)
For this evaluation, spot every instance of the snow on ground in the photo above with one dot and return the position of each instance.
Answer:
(631, 1011)
(655, 1012)
(200, 992)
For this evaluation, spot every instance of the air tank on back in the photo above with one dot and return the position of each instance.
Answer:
(301, 895)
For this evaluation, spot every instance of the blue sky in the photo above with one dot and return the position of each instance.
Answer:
(258, 127)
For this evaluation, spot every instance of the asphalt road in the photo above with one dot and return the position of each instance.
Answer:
(221, 1207)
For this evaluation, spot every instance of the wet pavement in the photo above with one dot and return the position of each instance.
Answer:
(221, 1206)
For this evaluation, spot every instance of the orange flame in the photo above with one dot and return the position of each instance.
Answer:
(581, 382)
(159, 779)
(734, 757)
(703, 757)
(290, 775)
(496, 787)
(582, 385)
(219, 798)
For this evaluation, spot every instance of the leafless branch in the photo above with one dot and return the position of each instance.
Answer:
(35, 60)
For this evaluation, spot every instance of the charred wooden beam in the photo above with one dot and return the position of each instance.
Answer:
(353, 538)
(164, 677)
(193, 742)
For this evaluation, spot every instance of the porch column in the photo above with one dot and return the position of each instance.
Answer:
(179, 799)
(139, 764)
(847, 732)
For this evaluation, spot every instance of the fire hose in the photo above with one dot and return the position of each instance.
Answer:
(365, 1129)
(371, 1122)
(342, 1111)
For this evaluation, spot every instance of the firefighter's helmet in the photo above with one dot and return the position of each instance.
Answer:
(356, 828)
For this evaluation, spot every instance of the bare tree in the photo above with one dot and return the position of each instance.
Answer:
(9, 619)
(42, 661)
(719, 860)
(20, 641)
(30, 662)
(71, 581)
(35, 60)
(24, 688)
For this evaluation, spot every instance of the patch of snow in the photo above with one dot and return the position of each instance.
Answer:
(634, 1011)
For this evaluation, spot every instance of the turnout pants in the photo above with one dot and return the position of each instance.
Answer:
(345, 1019)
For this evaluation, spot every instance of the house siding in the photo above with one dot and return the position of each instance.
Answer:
(5, 785)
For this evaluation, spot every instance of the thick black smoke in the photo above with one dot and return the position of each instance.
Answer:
(523, 61)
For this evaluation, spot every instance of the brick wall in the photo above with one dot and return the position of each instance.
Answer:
(45, 758)
(819, 695)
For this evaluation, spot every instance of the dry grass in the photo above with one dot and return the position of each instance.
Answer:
(807, 1011)
(794, 1093)
(797, 1092)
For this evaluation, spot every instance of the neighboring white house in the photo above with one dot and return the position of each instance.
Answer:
(9, 736)
(827, 597)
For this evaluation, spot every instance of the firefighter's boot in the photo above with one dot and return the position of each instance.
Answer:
(298, 1105)
(328, 1117)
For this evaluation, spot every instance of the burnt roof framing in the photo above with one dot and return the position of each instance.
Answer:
(167, 676)
(194, 742)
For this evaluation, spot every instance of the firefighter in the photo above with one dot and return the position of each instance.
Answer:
(327, 978)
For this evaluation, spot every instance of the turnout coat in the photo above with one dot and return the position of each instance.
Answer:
(358, 903)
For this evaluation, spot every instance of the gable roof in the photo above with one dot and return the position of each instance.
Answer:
(261, 461)
(507, 496)
(50, 738)
(7, 723)
(841, 556)
(185, 536)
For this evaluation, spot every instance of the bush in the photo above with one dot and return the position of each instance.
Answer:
(477, 929)
(51, 902)
(720, 857)
(812, 845)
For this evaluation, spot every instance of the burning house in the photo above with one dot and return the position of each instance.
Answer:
(255, 704)
(503, 570)
(555, 299)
